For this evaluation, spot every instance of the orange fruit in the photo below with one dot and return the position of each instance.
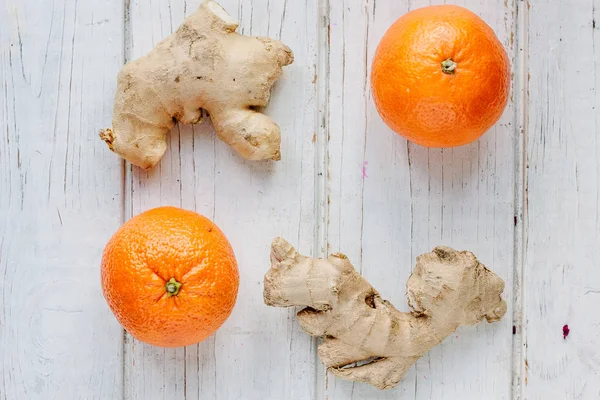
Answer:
(170, 277)
(440, 76)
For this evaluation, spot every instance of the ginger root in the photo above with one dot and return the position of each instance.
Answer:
(203, 65)
(365, 338)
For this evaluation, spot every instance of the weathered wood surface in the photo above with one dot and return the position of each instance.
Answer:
(61, 198)
(562, 221)
(524, 198)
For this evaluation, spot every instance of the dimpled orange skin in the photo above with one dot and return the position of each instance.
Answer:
(149, 250)
(427, 106)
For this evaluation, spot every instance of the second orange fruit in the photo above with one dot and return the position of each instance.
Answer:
(170, 277)
(440, 76)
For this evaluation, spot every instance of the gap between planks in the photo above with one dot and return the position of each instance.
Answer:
(521, 92)
(320, 249)
(127, 176)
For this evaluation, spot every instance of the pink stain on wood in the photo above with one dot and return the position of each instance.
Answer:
(364, 170)
(566, 331)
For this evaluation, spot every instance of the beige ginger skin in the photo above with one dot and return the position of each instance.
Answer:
(447, 289)
(205, 64)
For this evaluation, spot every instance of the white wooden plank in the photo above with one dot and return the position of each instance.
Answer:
(412, 199)
(260, 353)
(60, 199)
(264, 349)
(562, 280)
(352, 28)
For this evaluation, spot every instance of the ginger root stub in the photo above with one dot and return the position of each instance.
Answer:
(205, 64)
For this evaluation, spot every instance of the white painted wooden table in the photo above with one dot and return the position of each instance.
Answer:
(525, 198)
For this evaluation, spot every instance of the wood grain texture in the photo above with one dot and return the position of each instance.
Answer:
(60, 199)
(391, 201)
(524, 198)
(561, 278)
(260, 353)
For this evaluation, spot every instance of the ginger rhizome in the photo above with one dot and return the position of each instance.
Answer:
(365, 338)
(205, 64)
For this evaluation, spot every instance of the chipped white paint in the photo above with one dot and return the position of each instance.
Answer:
(346, 183)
